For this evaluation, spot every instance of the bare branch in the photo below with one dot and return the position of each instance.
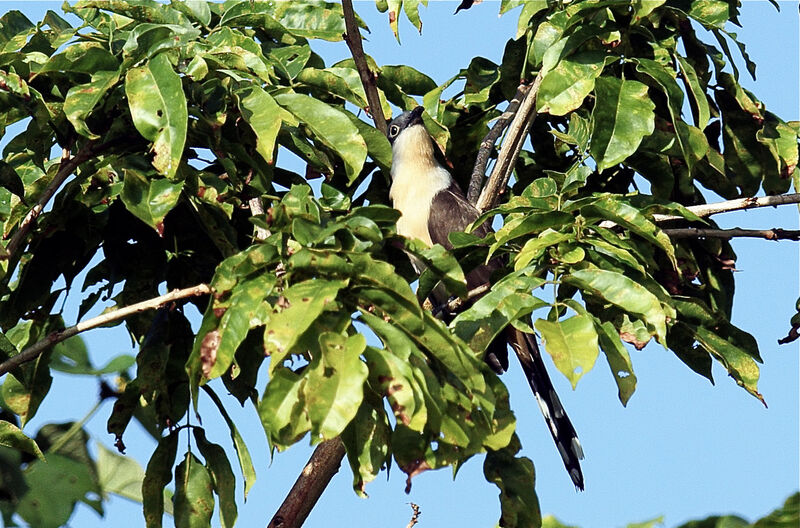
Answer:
(35, 350)
(476, 181)
(456, 303)
(414, 516)
(352, 38)
(66, 168)
(738, 204)
(509, 152)
(769, 234)
(321, 467)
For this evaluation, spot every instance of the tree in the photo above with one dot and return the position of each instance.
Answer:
(170, 121)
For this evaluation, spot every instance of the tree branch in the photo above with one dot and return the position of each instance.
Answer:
(769, 234)
(738, 204)
(352, 38)
(476, 181)
(327, 457)
(320, 469)
(414, 516)
(509, 152)
(35, 350)
(66, 168)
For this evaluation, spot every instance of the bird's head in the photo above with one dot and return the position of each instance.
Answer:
(404, 122)
(410, 141)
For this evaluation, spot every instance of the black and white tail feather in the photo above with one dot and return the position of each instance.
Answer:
(559, 424)
(432, 207)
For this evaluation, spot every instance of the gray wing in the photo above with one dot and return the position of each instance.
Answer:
(450, 212)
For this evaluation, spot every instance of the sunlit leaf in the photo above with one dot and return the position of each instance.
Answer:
(158, 108)
(622, 116)
(572, 343)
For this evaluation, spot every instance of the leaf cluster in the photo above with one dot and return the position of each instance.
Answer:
(181, 118)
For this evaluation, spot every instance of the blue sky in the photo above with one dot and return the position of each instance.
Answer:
(682, 448)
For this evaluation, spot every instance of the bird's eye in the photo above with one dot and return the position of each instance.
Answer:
(393, 130)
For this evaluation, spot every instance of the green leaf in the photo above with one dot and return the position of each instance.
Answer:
(366, 440)
(529, 224)
(508, 300)
(72, 356)
(156, 477)
(534, 248)
(194, 502)
(23, 398)
(159, 112)
(54, 488)
(214, 350)
(622, 116)
(83, 98)
(700, 107)
(390, 375)
(10, 180)
(120, 475)
(141, 10)
(331, 126)
(335, 384)
(81, 57)
(515, 477)
(149, 199)
(290, 60)
(624, 293)
(665, 78)
(282, 409)
(408, 79)
(481, 75)
(322, 20)
(12, 436)
(740, 365)
(14, 30)
(572, 343)
(303, 304)
(642, 8)
(147, 40)
(784, 517)
(239, 445)
(611, 208)
(222, 478)
(195, 9)
(619, 361)
(564, 88)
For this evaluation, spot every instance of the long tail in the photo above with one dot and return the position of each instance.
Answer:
(558, 422)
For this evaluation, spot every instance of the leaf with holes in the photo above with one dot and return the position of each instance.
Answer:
(158, 109)
(572, 343)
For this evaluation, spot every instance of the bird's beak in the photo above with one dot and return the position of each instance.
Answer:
(416, 115)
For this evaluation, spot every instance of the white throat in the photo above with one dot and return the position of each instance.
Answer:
(416, 178)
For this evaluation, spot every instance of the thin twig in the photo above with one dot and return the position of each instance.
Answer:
(312, 481)
(66, 168)
(33, 351)
(414, 517)
(738, 204)
(509, 152)
(478, 171)
(769, 234)
(352, 38)
(456, 303)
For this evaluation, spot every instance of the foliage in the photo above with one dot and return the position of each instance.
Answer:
(178, 117)
(783, 517)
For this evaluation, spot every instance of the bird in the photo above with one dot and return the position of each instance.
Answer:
(432, 206)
